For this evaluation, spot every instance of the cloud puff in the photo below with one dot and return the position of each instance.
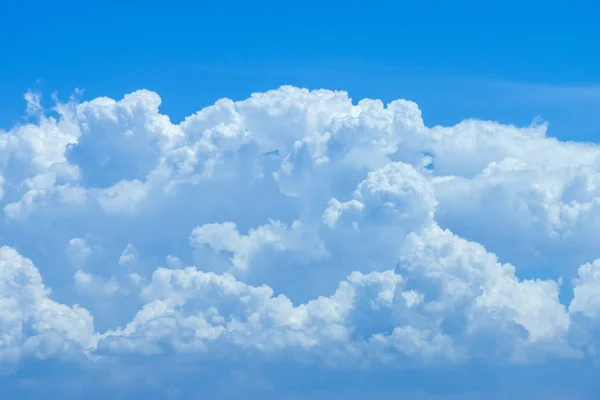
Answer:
(31, 323)
(297, 225)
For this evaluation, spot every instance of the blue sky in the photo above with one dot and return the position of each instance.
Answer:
(457, 60)
(293, 240)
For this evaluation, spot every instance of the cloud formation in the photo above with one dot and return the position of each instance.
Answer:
(294, 225)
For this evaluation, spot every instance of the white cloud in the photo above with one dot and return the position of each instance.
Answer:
(128, 256)
(319, 228)
(78, 252)
(275, 235)
(586, 298)
(30, 322)
(189, 309)
(88, 284)
(464, 281)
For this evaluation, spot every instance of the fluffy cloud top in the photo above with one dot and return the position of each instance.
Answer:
(294, 225)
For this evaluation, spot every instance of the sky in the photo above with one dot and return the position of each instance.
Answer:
(308, 200)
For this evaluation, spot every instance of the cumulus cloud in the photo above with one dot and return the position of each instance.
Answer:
(31, 323)
(297, 225)
(586, 299)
